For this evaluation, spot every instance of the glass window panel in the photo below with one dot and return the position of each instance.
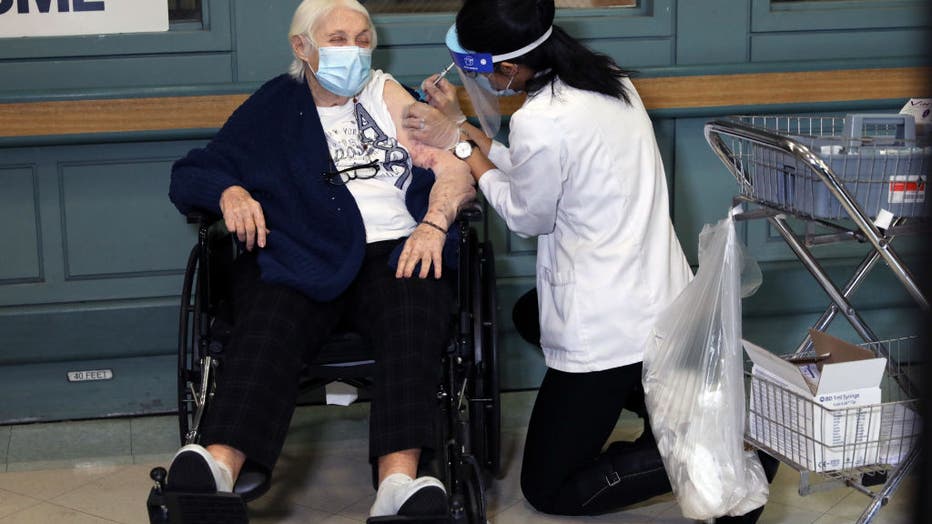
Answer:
(446, 6)
(184, 10)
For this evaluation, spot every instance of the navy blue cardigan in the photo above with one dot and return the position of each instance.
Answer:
(274, 146)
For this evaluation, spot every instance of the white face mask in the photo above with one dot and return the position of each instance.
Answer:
(484, 83)
(343, 70)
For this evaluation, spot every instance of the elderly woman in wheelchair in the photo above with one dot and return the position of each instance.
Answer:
(341, 224)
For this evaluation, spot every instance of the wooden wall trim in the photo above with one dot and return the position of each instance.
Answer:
(31, 119)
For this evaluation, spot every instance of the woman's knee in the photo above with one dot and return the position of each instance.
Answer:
(536, 491)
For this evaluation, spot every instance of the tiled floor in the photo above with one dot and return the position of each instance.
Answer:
(97, 472)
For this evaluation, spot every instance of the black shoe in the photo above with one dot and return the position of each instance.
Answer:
(194, 470)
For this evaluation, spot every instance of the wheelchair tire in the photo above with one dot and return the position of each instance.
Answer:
(473, 490)
(485, 417)
(188, 358)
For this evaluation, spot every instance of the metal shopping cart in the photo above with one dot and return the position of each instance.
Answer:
(822, 180)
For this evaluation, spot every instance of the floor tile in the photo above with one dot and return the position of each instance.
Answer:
(503, 492)
(48, 445)
(831, 519)
(778, 513)
(522, 513)
(289, 514)
(119, 496)
(359, 510)
(46, 512)
(898, 509)
(672, 515)
(11, 502)
(153, 437)
(339, 519)
(785, 490)
(328, 481)
(5, 432)
(330, 426)
(48, 484)
(663, 506)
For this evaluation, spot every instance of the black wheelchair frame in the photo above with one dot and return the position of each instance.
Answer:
(469, 450)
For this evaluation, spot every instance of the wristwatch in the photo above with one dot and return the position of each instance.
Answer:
(463, 149)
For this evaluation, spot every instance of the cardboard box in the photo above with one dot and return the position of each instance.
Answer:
(822, 414)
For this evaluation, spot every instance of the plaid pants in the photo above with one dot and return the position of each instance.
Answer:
(276, 329)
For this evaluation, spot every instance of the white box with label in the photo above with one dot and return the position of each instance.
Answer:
(822, 413)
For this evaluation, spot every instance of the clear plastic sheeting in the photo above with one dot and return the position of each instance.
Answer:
(693, 380)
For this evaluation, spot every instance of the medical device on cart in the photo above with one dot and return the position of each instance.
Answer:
(822, 180)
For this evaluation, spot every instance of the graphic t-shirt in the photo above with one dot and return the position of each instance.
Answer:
(362, 132)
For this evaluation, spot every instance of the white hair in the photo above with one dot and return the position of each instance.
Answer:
(305, 19)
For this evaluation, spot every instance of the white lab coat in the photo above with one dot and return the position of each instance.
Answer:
(583, 173)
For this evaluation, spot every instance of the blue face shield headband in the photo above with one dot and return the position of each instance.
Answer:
(472, 68)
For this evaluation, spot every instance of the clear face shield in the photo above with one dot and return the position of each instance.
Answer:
(472, 67)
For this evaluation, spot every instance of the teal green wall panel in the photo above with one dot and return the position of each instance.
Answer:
(770, 15)
(121, 209)
(261, 37)
(788, 288)
(521, 364)
(860, 44)
(697, 21)
(105, 226)
(74, 332)
(19, 214)
(636, 53)
(703, 188)
(143, 385)
(143, 71)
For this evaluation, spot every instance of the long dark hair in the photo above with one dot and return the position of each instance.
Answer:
(503, 26)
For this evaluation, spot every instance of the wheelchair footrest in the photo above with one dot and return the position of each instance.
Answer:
(429, 519)
(168, 507)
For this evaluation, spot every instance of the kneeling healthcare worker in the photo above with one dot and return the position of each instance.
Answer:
(583, 173)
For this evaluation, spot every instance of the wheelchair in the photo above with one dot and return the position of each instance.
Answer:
(468, 453)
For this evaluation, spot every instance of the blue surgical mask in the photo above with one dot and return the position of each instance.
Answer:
(344, 70)
(484, 83)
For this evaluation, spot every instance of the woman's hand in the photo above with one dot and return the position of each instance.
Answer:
(243, 216)
(424, 246)
(428, 125)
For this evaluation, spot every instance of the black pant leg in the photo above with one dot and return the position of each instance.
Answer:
(275, 328)
(407, 321)
(564, 471)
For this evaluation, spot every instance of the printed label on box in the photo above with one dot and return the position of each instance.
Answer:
(907, 189)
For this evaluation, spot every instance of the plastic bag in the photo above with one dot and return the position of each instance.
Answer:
(694, 385)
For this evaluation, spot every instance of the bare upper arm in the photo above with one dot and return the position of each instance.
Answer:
(397, 98)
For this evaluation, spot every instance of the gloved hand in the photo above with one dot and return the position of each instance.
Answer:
(443, 97)
(429, 126)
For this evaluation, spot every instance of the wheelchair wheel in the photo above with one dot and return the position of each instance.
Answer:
(188, 358)
(195, 385)
(485, 418)
(473, 490)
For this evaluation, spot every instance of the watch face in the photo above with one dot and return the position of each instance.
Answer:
(463, 150)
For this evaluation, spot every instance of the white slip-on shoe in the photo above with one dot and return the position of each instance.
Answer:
(194, 469)
(385, 498)
(399, 494)
(423, 497)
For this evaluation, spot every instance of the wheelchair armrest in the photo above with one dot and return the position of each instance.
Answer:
(471, 212)
(198, 216)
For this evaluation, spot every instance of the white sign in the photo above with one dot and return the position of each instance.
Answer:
(81, 17)
(90, 374)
